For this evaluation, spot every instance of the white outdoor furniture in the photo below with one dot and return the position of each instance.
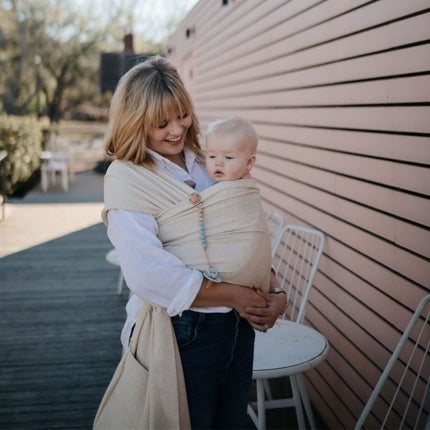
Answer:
(112, 258)
(53, 163)
(401, 397)
(290, 347)
(275, 222)
(56, 159)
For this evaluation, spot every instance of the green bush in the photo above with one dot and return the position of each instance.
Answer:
(21, 137)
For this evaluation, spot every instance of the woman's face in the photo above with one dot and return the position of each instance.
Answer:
(168, 138)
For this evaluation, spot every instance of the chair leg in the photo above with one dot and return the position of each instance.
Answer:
(44, 179)
(297, 400)
(306, 402)
(64, 179)
(299, 395)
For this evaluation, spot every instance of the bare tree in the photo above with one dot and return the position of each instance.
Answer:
(17, 58)
(47, 52)
(49, 49)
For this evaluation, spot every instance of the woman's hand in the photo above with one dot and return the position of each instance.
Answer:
(259, 308)
(263, 318)
(245, 298)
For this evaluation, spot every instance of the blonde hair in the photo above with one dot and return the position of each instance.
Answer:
(142, 100)
(234, 125)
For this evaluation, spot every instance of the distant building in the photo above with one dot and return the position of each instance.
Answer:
(114, 64)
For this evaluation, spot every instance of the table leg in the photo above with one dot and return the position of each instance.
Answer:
(306, 402)
(297, 400)
(261, 409)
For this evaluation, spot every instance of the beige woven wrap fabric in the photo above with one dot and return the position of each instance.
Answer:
(147, 390)
(235, 224)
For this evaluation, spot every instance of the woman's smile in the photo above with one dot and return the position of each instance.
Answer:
(177, 139)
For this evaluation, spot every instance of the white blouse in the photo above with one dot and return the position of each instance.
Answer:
(151, 273)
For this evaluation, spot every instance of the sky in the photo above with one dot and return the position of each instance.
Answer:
(150, 17)
(161, 11)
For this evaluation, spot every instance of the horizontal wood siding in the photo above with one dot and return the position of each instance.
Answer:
(339, 93)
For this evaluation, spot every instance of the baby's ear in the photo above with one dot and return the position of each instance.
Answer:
(251, 161)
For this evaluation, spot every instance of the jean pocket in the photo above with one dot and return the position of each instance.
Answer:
(185, 327)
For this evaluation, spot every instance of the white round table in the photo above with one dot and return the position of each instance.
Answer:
(287, 349)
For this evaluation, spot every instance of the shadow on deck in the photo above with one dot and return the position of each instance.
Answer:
(60, 325)
(60, 315)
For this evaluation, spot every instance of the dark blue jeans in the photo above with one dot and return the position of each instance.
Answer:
(217, 354)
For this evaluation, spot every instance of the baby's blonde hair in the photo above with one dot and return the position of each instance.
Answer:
(231, 125)
(143, 98)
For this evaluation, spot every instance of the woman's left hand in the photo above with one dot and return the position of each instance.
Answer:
(264, 318)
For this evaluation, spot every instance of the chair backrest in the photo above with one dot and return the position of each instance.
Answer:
(401, 397)
(296, 260)
(275, 222)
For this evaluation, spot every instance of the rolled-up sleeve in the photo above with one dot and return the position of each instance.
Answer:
(153, 274)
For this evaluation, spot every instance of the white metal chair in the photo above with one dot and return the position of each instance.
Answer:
(57, 158)
(296, 261)
(275, 222)
(401, 397)
(112, 258)
(49, 169)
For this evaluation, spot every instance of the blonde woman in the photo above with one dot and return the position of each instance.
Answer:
(153, 136)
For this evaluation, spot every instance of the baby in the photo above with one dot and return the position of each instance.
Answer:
(231, 144)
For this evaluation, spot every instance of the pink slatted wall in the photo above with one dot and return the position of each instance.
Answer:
(339, 92)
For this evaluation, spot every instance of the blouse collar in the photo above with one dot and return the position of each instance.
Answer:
(166, 164)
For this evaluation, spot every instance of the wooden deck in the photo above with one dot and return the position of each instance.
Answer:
(60, 319)
(60, 315)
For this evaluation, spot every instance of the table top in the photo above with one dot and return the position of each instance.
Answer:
(112, 257)
(49, 155)
(287, 348)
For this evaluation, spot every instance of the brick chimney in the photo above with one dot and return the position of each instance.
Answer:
(128, 44)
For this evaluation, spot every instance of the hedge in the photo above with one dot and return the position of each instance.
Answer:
(21, 137)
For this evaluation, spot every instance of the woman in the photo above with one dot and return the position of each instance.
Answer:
(153, 125)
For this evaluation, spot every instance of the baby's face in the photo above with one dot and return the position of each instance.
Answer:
(228, 157)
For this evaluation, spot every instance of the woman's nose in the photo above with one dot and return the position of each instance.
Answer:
(176, 127)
